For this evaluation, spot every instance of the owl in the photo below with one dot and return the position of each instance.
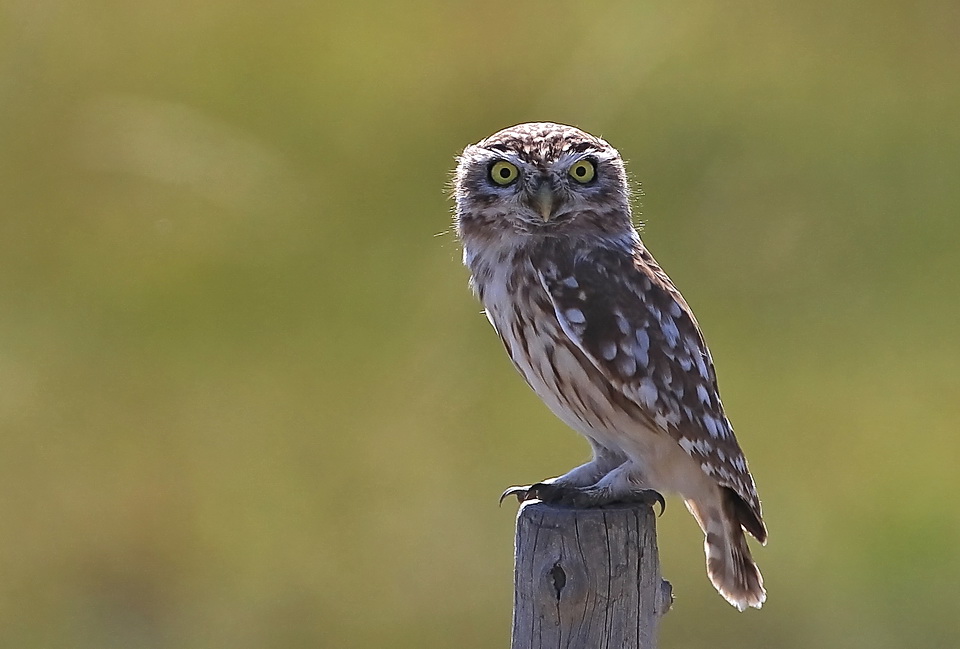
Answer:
(603, 337)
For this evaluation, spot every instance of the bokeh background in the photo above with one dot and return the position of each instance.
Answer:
(246, 399)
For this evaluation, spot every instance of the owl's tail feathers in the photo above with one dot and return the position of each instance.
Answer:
(730, 566)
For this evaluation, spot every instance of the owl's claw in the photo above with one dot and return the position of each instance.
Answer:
(581, 498)
(520, 492)
(545, 491)
(649, 497)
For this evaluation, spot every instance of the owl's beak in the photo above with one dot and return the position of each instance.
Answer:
(544, 201)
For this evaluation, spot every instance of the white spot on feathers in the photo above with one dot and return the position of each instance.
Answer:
(642, 351)
(702, 394)
(647, 392)
(575, 316)
(608, 350)
(627, 365)
(715, 427)
(702, 367)
(696, 445)
(670, 331)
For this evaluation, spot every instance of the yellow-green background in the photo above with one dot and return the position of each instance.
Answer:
(246, 399)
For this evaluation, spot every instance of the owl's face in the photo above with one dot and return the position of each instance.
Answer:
(541, 178)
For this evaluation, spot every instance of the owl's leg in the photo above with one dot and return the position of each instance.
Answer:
(604, 461)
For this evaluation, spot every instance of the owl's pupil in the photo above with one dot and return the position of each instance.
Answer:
(580, 172)
(504, 173)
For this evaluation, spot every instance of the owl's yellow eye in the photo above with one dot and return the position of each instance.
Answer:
(503, 172)
(583, 171)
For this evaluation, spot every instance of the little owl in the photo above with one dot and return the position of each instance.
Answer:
(603, 337)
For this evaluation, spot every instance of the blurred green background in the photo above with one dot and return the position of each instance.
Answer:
(246, 399)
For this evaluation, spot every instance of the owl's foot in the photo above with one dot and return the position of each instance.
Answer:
(582, 497)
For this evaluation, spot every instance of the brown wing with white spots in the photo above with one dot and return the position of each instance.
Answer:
(625, 314)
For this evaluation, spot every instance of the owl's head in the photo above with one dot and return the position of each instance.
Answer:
(541, 179)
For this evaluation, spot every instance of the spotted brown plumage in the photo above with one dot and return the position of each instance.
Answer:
(601, 334)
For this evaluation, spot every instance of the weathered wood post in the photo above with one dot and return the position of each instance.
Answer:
(587, 578)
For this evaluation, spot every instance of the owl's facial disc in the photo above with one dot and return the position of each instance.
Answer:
(537, 188)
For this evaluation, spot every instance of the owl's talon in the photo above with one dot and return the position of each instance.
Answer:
(544, 491)
(521, 492)
(647, 496)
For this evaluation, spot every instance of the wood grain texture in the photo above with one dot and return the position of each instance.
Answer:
(587, 578)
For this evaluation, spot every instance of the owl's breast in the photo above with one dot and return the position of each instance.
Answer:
(556, 369)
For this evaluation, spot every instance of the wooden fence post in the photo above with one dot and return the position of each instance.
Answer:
(587, 578)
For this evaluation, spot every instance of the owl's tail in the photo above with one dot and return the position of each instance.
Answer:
(730, 566)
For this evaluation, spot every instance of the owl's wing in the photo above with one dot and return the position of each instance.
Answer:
(626, 316)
